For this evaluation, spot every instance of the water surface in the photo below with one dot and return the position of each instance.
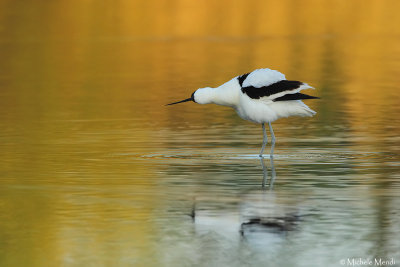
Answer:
(96, 171)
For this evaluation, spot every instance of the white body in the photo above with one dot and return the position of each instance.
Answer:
(262, 110)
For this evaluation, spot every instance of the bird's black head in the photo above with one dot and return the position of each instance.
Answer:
(185, 100)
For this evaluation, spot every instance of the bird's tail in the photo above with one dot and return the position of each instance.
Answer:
(307, 111)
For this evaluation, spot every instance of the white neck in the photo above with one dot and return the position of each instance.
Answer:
(224, 95)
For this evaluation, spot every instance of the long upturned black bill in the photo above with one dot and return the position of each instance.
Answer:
(186, 100)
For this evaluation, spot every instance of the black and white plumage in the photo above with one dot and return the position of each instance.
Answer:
(261, 96)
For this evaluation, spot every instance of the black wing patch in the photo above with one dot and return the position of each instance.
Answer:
(243, 77)
(297, 96)
(278, 87)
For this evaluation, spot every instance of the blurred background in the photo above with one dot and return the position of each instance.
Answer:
(96, 171)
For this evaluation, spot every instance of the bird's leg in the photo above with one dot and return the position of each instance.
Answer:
(272, 140)
(265, 140)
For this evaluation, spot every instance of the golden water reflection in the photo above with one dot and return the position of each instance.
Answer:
(95, 168)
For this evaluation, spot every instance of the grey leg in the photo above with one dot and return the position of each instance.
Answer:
(272, 140)
(265, 140)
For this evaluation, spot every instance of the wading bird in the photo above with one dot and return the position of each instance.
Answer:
(261, 96)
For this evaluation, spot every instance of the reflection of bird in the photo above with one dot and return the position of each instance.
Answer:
(265, 173)
(261, 96)
(272, 224)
